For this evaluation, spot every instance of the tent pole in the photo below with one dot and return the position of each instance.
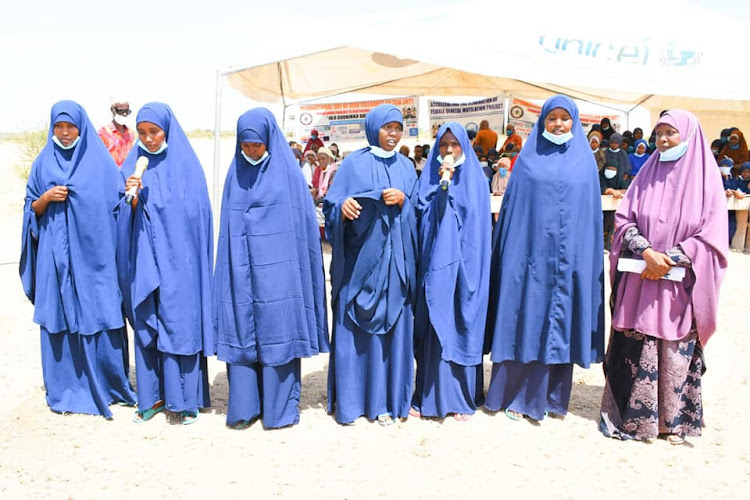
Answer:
(216, 198)
(283, 98)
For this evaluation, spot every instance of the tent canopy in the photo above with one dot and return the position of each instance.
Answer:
(684, 61)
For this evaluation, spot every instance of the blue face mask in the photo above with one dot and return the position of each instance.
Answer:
(736, 146)
(159, 151)
(313, 137)
(508, 132)
(652, 145)
(557, 139)
(502, 171)
(60, 145)
(630, 149)
(254, 162)
(382, 153)
(724, 139)
(674, 153)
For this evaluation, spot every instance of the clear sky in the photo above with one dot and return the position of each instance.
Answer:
(169, 51)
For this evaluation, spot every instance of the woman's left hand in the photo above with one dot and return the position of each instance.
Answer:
(657, 264)
(393, 196)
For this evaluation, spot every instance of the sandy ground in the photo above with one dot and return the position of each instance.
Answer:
(45, 455)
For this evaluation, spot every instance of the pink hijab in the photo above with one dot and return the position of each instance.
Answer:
(672, 203)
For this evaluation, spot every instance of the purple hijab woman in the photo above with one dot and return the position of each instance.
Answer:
(674, 214)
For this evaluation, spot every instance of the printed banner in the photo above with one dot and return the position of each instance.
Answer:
(524, 114)
(468, 114)
(345, 121)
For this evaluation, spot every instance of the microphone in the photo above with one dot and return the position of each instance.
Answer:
(445, 179)
(140, 166)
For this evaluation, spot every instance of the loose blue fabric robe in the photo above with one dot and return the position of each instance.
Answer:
(454, 265)
(547, 276)
(69, 273)
(269, 284)
(373, 281)
(165, 249)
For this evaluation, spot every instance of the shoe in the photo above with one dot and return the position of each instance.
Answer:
(142, 416)
(188, 417)
(413, 412)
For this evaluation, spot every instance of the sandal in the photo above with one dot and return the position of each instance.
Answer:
(675, 439)
(461, 417)
(188, 417)
(141, 416)
(242, 424)
(513, 415)
(385, 419)
(413, 412)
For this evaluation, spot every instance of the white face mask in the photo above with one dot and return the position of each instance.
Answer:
(557, 139)
(382, 153)
(483, 164)
(594, 151)
(458, 162)
(121, 120)
(615, 150)
(254, 162)
(60, 144)
(161, 149)
(674, 153)
(609, 173)
(726, 170)
(639, 154)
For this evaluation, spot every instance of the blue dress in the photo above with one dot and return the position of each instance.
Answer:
(547, 278)
(165, 260)
(454, 265)
(69, 272)
(373, 279)
(269, 287)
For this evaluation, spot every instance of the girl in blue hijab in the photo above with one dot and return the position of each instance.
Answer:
(165, 262)
(546, 290)
(371, 224)
(269, 288)
(454, 279)
(638, 157)
(68, 267)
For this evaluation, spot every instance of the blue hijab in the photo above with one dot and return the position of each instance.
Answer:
(547, 277)
(269, 285)
(637, 162)
(67, 262)
(454, 264)
(166, 244)
(374, 256)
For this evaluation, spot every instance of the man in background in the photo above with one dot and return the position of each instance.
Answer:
(116, 136)
(486, 137)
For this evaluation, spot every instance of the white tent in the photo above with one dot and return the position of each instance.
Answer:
(677, 56)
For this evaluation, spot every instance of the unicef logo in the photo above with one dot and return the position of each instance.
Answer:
(305, 118)
(516, 112)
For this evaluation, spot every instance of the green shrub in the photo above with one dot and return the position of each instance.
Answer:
(30, 144)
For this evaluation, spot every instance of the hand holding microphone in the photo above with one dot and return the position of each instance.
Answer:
(140, 166)
(447, 171)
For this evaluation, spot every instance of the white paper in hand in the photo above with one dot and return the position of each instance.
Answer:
(638, 266)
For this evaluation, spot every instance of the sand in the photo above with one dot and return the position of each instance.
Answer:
(46, 455)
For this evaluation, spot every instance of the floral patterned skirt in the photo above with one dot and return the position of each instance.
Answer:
(653, 386)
